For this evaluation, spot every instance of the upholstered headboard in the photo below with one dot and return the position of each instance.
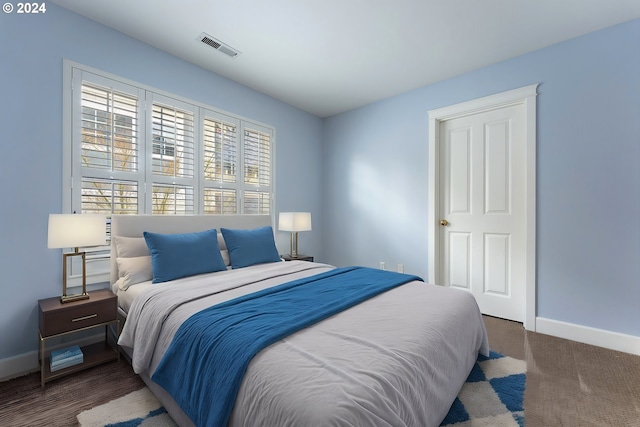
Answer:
(135, 225)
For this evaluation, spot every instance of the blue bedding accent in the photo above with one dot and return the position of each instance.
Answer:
(249, 247)
(181, 255)
(208, 357)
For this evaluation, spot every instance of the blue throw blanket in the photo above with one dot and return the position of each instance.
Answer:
(209, 355)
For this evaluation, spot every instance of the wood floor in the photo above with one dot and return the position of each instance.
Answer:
(568, 384)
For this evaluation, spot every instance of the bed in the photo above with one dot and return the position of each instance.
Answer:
(396, 359)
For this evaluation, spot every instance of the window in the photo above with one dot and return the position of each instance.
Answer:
(131, 149)
(105, 154)
(136, 150)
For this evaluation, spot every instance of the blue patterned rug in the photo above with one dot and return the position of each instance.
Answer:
(492, 396)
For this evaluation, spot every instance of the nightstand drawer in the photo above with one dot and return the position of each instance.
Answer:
(77, 315)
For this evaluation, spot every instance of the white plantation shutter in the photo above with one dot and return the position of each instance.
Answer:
(172, 156)
(170, 199)
(257, 161)
(108, 153)
(220, 151)
(173, 151)
(220, 164)
(220, 201)
(256, 202)
(257, 158)
(109, 196)
(135, 150)
(109, 129)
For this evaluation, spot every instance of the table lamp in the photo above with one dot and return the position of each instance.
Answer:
(74, 231)
(294, 222)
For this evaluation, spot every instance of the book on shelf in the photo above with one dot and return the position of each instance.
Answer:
(66, 364)
(65, 357)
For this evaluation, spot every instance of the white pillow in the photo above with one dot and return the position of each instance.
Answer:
(133, 270)
(223, 250)
(128, 247)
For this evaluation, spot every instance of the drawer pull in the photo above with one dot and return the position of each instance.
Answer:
(91, 316)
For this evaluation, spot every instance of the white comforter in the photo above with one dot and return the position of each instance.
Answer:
(398, 359)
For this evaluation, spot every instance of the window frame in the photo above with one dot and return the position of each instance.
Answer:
(73, 173)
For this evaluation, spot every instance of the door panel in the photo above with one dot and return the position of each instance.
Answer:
(459, 255)
(497, 167)
(459, 177)
(482, 166)
(496, 266)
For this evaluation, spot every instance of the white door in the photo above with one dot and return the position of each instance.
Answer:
(482, 208)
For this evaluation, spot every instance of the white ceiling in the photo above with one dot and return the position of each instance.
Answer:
(330, 56)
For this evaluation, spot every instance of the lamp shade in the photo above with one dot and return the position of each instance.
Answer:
(76, 230)
(294, 221)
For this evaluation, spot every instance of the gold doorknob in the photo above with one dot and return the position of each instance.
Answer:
(444, 222)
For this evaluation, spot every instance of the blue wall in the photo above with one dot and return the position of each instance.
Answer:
(588, 175)
(32, 48)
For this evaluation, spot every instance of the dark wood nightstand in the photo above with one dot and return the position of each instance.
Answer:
(298, 258)
(57, 319)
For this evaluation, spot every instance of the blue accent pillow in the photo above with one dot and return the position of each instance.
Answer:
(249, 247)
(180, 255)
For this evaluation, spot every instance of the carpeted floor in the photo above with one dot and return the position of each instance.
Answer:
(568, 384)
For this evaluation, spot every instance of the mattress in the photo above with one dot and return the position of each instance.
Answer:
(126, 297)
(398, 359)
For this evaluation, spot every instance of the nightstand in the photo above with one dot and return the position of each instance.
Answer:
(58, 319)
(298, 258)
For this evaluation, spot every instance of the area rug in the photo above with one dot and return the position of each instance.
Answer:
(491, 396)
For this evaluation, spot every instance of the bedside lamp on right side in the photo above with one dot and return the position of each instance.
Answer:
(294, 222)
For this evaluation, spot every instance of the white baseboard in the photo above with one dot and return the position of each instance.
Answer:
(585, 334)
(16, 366)
(26, 363)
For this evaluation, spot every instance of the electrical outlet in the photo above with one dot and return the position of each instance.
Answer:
(400, 268)
(382, 266)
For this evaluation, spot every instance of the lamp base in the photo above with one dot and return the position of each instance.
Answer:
(71, 298)
(65, 260)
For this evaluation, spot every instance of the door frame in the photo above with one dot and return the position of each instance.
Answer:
(525, 96)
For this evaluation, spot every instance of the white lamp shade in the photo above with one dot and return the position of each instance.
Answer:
(77, 230)
(294, 221)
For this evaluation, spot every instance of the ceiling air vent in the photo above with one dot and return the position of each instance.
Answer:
(218, 45)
